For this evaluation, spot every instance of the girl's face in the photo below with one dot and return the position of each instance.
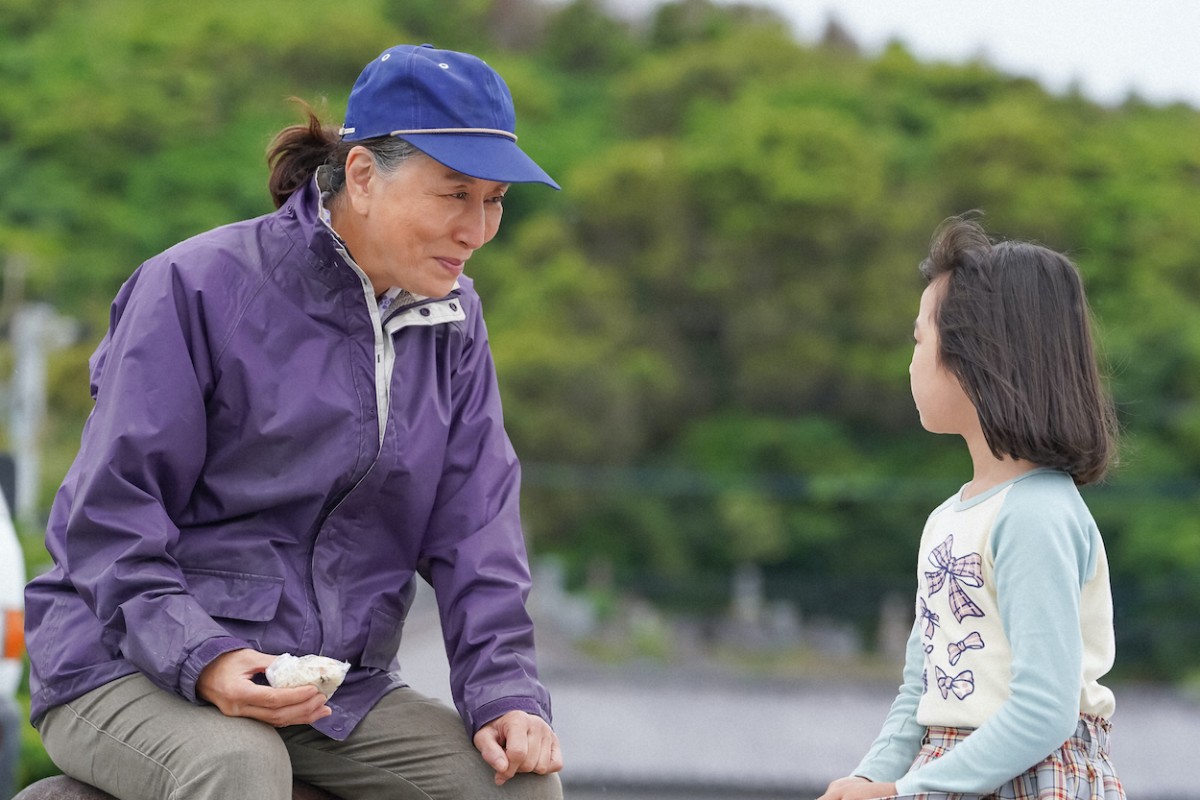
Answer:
(943, 405)
(416, 228)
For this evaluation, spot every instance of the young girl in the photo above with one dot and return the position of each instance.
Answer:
(1013, 612)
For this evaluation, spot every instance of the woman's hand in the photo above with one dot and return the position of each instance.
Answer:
(228, 683)
(519, 742)
(856, 788)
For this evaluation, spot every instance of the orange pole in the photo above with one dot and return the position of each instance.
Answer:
(14, 633)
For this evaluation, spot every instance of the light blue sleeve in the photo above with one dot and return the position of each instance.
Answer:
(900, 738)
(1041, 545)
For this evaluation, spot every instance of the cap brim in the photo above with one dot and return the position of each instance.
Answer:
(483, 156)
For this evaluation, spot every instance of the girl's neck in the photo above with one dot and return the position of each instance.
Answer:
(990, 471)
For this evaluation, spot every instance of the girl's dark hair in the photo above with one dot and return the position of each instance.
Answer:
(1015, 328)
(297, 151)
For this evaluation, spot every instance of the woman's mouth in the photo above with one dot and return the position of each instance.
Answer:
(451, 265)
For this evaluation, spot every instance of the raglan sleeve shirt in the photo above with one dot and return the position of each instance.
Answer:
(1042, 556)
(900, 738)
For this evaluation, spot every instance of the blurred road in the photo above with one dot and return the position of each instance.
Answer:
(648, 731)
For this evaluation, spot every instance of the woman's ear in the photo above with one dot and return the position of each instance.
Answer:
(360, 172)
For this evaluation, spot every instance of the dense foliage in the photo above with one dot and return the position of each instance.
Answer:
(703, 341)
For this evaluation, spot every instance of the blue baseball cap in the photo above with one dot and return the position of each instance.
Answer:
(451, 106)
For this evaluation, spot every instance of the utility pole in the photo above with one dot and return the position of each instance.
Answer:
(35, 330)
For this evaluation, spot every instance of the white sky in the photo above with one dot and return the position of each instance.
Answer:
(1108, 46)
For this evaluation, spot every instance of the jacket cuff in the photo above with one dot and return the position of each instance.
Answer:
(200, 658)
(501, 706)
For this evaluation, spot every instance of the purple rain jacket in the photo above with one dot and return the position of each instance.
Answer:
(239, 486)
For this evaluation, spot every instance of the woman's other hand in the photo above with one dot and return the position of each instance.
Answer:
(519, 742)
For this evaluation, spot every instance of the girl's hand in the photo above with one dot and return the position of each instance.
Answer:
(856, 788)
(228, 683)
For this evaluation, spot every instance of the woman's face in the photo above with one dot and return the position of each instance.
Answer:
(943, 405)
(415, 228)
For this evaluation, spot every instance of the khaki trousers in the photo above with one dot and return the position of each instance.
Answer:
(138, 742)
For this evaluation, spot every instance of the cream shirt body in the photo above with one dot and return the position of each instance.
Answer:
(968, 660)
(1013, 631)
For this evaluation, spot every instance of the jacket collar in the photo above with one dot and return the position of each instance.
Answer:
(305, 207)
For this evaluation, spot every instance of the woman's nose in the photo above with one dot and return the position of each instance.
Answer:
(471, 227)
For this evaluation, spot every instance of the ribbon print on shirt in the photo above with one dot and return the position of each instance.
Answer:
(956, 649)
(956, 572)
(962, 684)
(931, 619)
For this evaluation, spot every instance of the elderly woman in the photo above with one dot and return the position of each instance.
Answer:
(295, 416)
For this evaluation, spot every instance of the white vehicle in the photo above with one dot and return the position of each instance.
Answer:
(12, 646)
(12, 604)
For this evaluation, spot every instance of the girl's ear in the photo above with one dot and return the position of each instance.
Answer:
(360, 173)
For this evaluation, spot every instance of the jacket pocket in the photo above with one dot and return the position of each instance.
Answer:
(383, 641)
(241, 602)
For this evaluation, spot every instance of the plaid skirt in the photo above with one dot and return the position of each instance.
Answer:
(1079, 770)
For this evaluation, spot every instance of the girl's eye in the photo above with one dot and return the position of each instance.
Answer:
(498, 199)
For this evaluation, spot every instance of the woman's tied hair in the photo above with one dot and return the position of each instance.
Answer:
(299, 152)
